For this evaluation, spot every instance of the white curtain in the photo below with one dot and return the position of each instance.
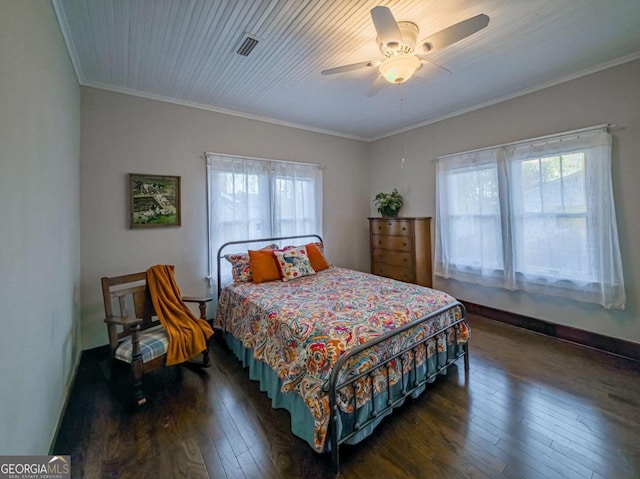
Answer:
(253, 198)
(469, 223)
(296, 199)
(537, 216)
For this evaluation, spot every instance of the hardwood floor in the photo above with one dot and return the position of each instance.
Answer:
(530, 407)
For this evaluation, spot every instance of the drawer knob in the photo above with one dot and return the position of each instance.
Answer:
(404, 244)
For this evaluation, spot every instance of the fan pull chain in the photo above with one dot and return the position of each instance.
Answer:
(401, 126)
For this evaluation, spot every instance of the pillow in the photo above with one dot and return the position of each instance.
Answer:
(293, 263)
(319, 244)
(263, 266)
(240, 267)
(316, 258)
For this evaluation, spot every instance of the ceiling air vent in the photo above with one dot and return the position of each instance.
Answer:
(248, 44)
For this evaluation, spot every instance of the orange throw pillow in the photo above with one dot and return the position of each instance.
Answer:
(263, 266)
(316, 258)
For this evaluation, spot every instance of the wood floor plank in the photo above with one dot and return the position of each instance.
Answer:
(266, 466)
(602, 454)
(523, 471)
(227, 425)
(612, 470)
(444, 445)
(529, 407)
(516, 430)
(210, 456)
(227, 457)
(551, 458)
(249, 466)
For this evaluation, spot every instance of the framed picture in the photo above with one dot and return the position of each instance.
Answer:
(154, 201)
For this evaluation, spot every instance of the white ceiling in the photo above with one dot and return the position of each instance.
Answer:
(184, 51)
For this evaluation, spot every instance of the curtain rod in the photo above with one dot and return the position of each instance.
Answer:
(239, 157)
(531, 140)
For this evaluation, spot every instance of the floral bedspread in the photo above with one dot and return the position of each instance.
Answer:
(300, 328)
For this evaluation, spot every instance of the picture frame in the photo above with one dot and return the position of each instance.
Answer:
(154, 201)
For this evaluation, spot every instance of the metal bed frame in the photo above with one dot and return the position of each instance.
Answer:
(352, 376)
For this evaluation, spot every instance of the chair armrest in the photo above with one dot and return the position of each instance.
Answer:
(195, 299)
(202, 304)
(124, 321)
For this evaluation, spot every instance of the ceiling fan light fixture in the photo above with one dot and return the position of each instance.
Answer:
(393, 46)
(399, 68)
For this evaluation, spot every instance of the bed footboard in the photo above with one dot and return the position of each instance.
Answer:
(345, 376)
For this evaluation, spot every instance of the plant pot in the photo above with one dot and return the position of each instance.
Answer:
(389, 214)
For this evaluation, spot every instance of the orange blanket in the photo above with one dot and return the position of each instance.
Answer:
(188, 335)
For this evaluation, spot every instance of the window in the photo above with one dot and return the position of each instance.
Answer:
(252, 199)
(537, 216)
(550, 204)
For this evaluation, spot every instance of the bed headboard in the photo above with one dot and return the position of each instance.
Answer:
(222, 250)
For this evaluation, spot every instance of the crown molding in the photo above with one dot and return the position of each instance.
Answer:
(224, 111)
(64, 28)
(519, 93)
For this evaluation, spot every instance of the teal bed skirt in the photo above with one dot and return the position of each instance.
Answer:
(302, 422)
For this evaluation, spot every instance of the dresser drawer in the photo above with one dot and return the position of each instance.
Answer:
(392, 258)
(401, 249)
(396, 243)
(394, 272)
(391, 227)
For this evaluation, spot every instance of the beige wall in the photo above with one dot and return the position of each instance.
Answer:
(39, 225)
(611, 96)
(125, 134)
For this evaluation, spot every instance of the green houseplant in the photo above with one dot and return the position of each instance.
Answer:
(389, 203)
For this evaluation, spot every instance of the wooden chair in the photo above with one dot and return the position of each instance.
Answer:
(136, 339)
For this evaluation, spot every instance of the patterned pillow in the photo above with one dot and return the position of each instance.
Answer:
(318, 244)
(240, 266)
(293, 263)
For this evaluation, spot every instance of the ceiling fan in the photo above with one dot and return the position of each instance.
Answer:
(403, 55)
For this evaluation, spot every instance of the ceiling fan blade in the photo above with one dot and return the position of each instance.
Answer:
(455, 33)
(378, 83)
(348, 68)
(387, 27)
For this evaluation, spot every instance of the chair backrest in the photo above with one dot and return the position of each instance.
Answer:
(127, 296)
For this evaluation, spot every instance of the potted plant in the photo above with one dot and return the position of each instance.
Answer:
(389, 203)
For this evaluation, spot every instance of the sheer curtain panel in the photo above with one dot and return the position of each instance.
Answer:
(536, 215)
(251, 198)
(296, 199)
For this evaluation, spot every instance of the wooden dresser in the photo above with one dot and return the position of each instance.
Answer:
(401, 249)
